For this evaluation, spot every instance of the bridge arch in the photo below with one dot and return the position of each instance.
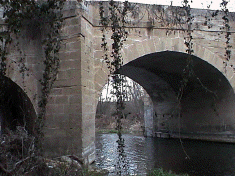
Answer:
(176, 43)
(22, 88)
(210, 74)
(16, 109)
(138, 48)
(207, 101)
(24, 66)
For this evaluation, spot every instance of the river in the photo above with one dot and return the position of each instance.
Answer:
(140, 155)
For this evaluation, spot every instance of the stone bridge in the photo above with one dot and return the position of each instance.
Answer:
(154, 56)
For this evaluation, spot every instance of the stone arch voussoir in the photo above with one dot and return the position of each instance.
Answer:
(140, 48)
(29, 84)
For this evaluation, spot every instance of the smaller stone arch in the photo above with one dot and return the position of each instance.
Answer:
(16, 109)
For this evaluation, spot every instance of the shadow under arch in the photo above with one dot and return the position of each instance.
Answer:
(208, 99)
(16, 108)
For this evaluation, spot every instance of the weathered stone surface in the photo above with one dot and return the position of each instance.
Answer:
(70, 120)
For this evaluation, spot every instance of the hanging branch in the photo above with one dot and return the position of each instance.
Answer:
(47, 19)
(117, 21)
(188, 71)
(226, 27)
(52, 10)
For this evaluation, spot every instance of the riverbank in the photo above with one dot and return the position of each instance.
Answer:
(161, 172)
(130, 125)
(142, 155)
(223, 137)
(106, 131)
(135, 126)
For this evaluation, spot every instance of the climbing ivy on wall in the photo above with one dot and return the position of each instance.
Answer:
(188, 71)
(116, 21)
(226, 29)
(44, 19)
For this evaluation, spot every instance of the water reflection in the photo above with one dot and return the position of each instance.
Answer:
(122, 163)
(141, 154)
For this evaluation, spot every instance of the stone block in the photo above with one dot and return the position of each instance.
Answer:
(56, 91)
(177, 44)
(34, 60)
(54, 109)
(140, 48)
(73, 108)
(208, 56)
(87, 75)
(160, 45)
(146, 45)
(72, 30)
(63, 83)
(61, 99)
(169, 44)
(59, 144)
(62, 75)
(73, 46)
(160, 33)
(89, 132)
(72, 21)
(98, 55)
(200, 51)
(51, 99)
(151, 46)
(75, 90)
(232, 82)
(70, 64)
(101, 80)
(97, 43)
(75, 99)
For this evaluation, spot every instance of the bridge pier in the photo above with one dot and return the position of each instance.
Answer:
(148, 117)
(70, 119)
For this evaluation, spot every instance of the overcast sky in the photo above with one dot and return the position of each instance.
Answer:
(196, 3)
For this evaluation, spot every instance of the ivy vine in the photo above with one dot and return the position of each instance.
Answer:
(226, 28)
(45, 17)
(116, 20)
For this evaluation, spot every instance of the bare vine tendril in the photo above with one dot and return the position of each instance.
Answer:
(116, 20)
(46, 17)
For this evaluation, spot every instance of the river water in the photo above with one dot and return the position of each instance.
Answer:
(140, 155)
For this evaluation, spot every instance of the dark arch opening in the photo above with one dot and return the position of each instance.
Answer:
(16, 108)
(208, 99)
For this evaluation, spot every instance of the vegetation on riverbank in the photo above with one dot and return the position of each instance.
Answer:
(19, 157)
(86, 172)
(161, 172)
(107, 131)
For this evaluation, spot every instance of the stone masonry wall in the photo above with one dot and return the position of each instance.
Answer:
(70, 127)
(70, 119)
(63, 129)
(70, 123)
